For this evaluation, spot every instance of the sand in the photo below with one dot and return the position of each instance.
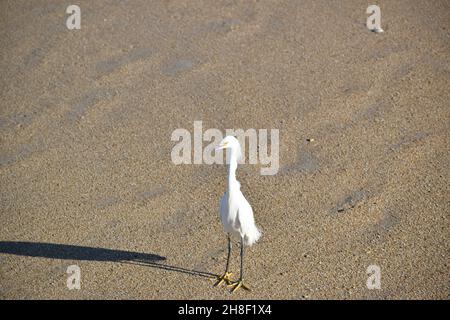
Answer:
(86, 173)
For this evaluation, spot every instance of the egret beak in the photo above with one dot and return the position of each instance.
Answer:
(221, 146)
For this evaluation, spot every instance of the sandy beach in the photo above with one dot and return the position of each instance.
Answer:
(86, 175)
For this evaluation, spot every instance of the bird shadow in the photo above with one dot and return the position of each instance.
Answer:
(73, 252)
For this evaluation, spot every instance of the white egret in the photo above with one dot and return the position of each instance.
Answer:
(236, 213)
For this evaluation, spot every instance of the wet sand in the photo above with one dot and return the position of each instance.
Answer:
(86, 175)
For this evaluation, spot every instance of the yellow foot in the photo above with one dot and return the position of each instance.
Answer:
(238, 284)
(225, 278)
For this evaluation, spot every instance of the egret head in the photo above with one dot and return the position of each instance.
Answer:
(230, 142)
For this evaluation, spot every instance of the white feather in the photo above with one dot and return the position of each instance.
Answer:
(235, 212)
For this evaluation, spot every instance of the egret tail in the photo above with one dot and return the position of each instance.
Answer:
(252, 235)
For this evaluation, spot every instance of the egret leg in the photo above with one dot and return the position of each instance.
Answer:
(225, 278)
(240, 283)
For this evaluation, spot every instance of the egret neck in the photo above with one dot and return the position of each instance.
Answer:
(232, 182)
